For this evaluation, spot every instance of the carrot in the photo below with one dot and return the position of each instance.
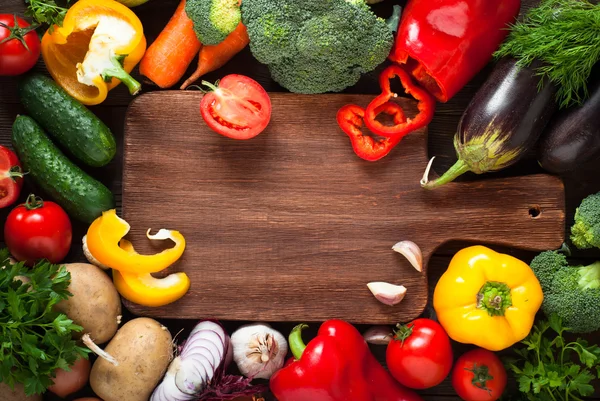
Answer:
(168, 58)
(213, 57)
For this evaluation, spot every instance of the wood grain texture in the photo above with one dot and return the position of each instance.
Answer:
(294, 217)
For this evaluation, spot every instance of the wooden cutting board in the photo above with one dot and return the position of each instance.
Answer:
(292, 225)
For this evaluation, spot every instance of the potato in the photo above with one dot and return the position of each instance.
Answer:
(143, 349)
(17, 395)
(95, 304)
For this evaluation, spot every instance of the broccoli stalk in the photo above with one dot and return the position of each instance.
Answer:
(585, 233)
(589, 277)
(572, 293)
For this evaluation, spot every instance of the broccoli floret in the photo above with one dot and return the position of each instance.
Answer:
(316, 46)
(575, 297)
(213, 20)
(585, 233)
(546, 265)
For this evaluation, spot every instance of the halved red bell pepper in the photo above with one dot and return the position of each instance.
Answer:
(350, 118)
(444, 43)
(426, 105)
(337, 365)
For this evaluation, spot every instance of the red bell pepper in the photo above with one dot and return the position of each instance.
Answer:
(444, 43)
(335, 366)
(350, 118)
(426, 105)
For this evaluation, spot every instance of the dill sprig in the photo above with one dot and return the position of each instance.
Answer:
(565, 36)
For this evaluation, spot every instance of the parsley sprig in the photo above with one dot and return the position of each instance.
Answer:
(550, 368)
(46, 12)
(35, 339)
(563, 35)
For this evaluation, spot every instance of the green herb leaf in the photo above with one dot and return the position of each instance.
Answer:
(545, 369)
(36, 340)
(525, 384)
(581, 384)
(46, 12)
(563, 36)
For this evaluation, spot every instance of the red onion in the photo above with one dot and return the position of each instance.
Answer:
(199, 370)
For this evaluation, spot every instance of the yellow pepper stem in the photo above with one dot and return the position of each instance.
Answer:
(117, 71)
(494, 297)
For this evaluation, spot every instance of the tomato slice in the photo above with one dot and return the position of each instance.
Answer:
(11, 177)
(237, 108)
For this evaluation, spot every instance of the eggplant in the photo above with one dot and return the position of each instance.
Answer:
(573, 136)
(502, 122)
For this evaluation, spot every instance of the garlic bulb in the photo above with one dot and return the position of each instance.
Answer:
(258, 350)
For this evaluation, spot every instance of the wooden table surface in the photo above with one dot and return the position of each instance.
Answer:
(154, 16)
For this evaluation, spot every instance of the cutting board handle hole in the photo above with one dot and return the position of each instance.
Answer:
(535, 211)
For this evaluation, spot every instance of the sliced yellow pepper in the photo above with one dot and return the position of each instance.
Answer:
(103, 238)
(98, 45)
(487, 299)
(146, 290)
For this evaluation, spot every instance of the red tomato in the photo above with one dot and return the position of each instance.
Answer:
(420, 355)
(238, 108)
(38, 230)
(19, 45)
(67, 383)
(11, 177)
(479, 376)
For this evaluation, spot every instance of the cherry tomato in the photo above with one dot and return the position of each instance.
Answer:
(238, 108)
(11, 177)
(479, 375)
(19, 45)
(67, 383)
(38, 230)
(420, 355)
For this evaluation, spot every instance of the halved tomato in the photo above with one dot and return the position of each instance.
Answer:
(237, 107)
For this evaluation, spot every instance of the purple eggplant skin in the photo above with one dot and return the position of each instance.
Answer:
(573, 136)
(502, 122)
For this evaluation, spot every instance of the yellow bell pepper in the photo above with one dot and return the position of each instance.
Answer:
(146, 290)
(487, 299)
(98, 45)
(105, 233)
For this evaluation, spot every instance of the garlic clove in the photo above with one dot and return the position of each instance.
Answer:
(411, 252)
(378, 335)
(387, 293)
(89, 256)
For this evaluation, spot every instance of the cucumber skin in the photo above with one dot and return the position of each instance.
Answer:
(82, 197)
(67, 121)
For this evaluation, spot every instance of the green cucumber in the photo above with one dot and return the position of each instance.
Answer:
(82, 197)
(67, 121)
